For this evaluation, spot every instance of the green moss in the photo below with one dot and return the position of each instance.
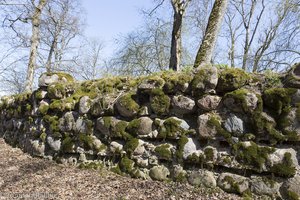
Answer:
(180, 146)
(120, 131)
(239, 97)
(38, 95)
(28, 107)
(160, 102)
(215, 122)
(128, 102)
(91, 165)
(209, 154)
(278, 99)
(231, 79)
(61, 76)
(292, 195)
(126, 165)
(253, 155)
(56, 91)
(131, 145)
(163, 151)
(171, 129)
(43, 137)
(43, 109)
(234, 186)
(67, 144)
(52, 121)
(272, 79)
(285, 168)
(174, 80)
(107, 122)
(86, 140)
(298, 112)
(181, 177)
(133, 127)
(116, 170)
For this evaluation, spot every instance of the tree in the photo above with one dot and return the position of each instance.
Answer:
(179, 7)
(35, 38)
(206, 49)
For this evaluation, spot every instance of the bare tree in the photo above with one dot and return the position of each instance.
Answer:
(88, 63)
(179, 8)
(206, 49)
(35, 38)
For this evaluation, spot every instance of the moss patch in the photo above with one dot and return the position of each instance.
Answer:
(180, 146)
(133, 127)
(171, 129)
(160, 102)
(129, 103)
(126, 165)
(163, 151)
(131, 145)
(231, 79)
(67, 144)
(285, 168)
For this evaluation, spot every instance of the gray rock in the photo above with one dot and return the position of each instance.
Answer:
(116, 147)
(234, 125)
(209, 102)
(183, 105)
(202, 177)
(67, 122)
(84, 105)
(105, 128)
(204, 129)
(264, 186)
(292, 78)
(150, 84)
(81, 126)
(46, 80)
(38, 148)
(191, 147)
(54, 144)
(233, 183)
(140, 149)
(278, 157)
(293, 124)
(145, 126)
(291, 188)
(103, 105)
(159, 173)
(209, 82)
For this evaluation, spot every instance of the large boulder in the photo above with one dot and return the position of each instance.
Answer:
(47, 79)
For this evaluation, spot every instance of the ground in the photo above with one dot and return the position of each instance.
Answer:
(24, 177)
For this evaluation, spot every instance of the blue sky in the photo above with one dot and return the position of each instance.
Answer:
(108, 19)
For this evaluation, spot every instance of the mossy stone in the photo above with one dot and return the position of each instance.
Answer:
(231, 79)
(126, 165)
(285, 168)
(159, 102)
(163, 151)
(131, 145)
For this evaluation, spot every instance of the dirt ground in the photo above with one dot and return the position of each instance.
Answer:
(25, 177)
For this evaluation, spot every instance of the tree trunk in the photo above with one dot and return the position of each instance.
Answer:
(176, 42)
(206, 49)
(179, 7)
(48, 63)
(36, 21)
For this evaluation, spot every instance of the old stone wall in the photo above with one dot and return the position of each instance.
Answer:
(210, 126)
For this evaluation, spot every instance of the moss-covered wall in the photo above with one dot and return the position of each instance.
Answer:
(165, 126)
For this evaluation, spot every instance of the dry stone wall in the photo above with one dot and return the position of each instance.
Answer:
(209, 126)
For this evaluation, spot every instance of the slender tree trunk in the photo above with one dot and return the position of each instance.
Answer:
(176, 42)
(36, 22)
(48, 63)
(207, 47)
(179, 7)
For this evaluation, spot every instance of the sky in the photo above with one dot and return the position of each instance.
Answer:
(108, 19)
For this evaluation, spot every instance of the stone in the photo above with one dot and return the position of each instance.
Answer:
(67, 122)
(290, 189)
(202, 177)
(104, 105)
(179, 174)
(183, 105)
(209, 102)
(151, 83)
(204, 129)
(233, 183)
(145, 126)
(84, 105)
(81, 126)
(205, 79)
(293, 124)
(191, 147)
(241, 101)
(264, 186)
(140, 149)
(38, 148)
(54, 144)
(159, 173)
(116, 147)
(292, 78)
(234, 125)
(46, 80)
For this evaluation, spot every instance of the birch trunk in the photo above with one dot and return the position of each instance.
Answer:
(36, 22)
(207, 47)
